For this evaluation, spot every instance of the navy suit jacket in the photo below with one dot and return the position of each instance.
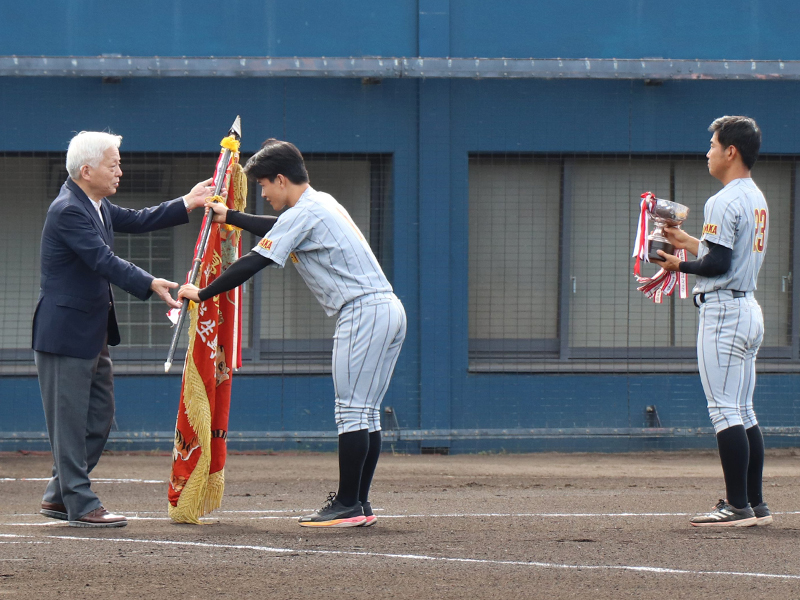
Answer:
(75, 313)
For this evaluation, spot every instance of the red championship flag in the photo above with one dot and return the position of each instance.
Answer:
(198, 458)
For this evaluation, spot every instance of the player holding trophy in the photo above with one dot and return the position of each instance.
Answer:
(729, 256)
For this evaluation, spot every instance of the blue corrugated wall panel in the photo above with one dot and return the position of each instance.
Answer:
(264, 403)
(740, 29)
(429, 127)
(333, 115)
(20, 404)
(615, 116)
(206, 27)
(345, 116)
(186, 115)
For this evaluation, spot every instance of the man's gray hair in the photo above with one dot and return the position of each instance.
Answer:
(87, 148)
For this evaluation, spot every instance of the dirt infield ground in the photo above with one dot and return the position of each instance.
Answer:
(490, 526)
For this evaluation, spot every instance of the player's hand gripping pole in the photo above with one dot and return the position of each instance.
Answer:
(222, 167)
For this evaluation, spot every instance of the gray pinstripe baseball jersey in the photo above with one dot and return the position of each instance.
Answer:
(736, 217)
(338, 266)
(731, 322)
(327, 248)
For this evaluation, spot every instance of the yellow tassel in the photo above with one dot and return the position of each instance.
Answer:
(231, 143)
(191, 502)
(239, 180)
(214, 491)
(239, 183)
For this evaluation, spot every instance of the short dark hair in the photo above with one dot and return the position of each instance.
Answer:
(277, 158)
(740, 132)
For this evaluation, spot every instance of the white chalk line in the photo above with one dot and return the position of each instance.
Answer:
(293, 514)
(22, 542)
(45, 524)
(546, 515)
(240, 512)
(423, 557)
(94, 480)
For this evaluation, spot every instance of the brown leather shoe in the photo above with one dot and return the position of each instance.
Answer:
(100, 517)
(54, 511)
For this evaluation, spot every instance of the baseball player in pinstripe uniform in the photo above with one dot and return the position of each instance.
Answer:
(730, 254)
(318, 236)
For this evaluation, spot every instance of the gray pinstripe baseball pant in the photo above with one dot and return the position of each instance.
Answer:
(369, 334)
(728, 339)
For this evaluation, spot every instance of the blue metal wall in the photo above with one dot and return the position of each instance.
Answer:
(739, 29)
(209, 28)
(429, 127)
(149, 404)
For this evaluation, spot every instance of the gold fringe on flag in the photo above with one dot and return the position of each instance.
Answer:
(192, 502)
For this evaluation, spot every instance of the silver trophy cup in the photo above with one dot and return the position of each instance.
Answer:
(665, 214)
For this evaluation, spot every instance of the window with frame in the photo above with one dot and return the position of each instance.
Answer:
(295, 333)
(145, 182)
(550, 268)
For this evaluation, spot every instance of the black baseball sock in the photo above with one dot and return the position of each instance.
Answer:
(756, 465)
(353, 449)
(369, 465)
(734, 452)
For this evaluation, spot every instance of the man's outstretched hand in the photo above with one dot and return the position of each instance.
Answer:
(200, 193)
(162, 288)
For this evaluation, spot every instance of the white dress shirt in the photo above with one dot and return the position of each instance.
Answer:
(99, 212)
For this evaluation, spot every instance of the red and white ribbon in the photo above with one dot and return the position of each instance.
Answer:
(641, 247)
(663, 283)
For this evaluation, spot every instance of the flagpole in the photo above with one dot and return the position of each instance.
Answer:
(235, 132)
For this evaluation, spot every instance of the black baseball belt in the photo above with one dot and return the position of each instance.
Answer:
(703, 297)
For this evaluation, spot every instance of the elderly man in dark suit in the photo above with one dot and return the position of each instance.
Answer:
(74, 322)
